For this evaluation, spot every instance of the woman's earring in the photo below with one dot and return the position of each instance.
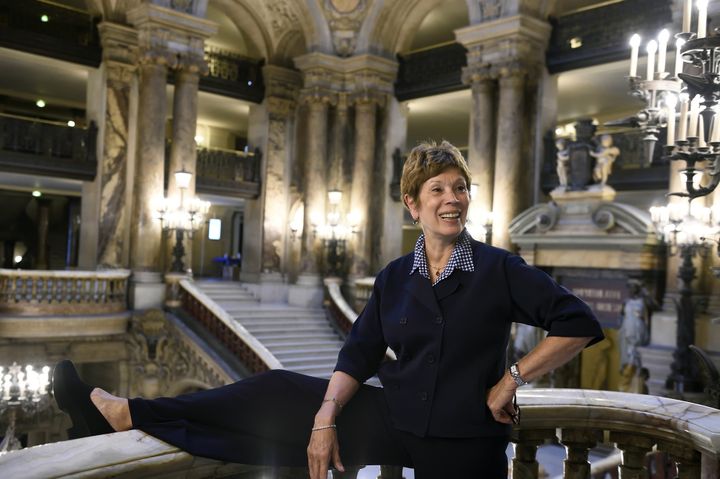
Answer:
(415, 221)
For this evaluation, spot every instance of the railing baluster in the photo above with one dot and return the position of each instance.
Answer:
(524, 464)
(634, 449)
(578, 443)
(688, 460)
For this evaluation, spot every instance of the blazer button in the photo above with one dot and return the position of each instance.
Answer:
(403, 320)
(439, 320)
(430, 358)
(423, 396)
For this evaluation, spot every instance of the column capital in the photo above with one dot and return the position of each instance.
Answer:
(119, 43)
(510, 71)
(476, 74)
(318, 96)
(170, 37)
(282, 86)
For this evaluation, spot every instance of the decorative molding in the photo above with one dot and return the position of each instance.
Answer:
(490, 9)
(345, 17)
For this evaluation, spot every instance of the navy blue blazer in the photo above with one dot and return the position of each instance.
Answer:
(451, 339)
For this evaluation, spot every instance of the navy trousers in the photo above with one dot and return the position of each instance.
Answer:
(266, 420)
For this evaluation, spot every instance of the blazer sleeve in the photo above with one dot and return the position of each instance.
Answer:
(539, 301)
(365, 346)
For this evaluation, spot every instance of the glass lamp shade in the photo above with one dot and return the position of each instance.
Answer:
(183, 178)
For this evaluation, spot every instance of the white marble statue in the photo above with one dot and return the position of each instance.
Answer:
(604, 156)
(563, 162)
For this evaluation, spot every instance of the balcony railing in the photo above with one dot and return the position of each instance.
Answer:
(35, 292)
(33, 146)
(228, 172)
(578, 419)
(230, 74)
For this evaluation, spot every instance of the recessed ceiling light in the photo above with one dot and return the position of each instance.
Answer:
(37, 193)
(40, 103)
(44, 18)
(249, 82)
(70, 123)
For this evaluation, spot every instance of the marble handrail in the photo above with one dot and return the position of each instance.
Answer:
(67, 292)
(637, 424)
(231, 333)
(341, 311)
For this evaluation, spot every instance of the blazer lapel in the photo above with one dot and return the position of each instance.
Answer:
(421, 289)
(447, 286)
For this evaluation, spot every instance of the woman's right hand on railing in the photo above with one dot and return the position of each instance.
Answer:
(324, 446)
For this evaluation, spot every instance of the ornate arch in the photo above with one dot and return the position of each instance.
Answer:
(391, 28)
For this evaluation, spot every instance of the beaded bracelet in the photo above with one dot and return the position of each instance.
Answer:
(320, 428)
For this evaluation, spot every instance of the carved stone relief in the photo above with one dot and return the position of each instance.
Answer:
(345, 18)
(160, 359)
(490, 9)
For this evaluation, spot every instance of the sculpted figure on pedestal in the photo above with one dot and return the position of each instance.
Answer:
(605, 156)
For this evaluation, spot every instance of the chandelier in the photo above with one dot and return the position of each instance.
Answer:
(182, 216)
(21, 389)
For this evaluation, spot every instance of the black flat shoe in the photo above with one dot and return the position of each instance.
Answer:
(73, 397)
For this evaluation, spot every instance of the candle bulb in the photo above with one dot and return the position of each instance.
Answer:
(694, 111)
(682, 128)
(715, 129)
(678, 56)
(701, 131)
(702, 18)
(670, 101)
(687, 15)
(651, 49)
(634, 51)
(663, 38)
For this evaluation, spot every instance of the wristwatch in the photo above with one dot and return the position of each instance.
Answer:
(515, 374)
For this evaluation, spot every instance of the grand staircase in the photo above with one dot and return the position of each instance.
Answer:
(300, 338)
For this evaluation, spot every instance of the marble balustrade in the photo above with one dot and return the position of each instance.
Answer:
(251, 352)
(580, 419)
(69, 292)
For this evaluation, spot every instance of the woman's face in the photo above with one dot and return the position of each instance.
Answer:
(442, 205)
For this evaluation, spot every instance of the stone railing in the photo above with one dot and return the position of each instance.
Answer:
(579, 419)
(49, 148)
(636, 424)
(340, 311)
(228, 172)
(229, 332)
(37, 292)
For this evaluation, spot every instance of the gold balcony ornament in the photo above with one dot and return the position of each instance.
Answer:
(183, 216)
(25, 390)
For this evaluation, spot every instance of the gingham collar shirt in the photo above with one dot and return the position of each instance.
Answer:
(461, 257)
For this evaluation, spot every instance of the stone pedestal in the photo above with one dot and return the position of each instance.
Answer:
(307, 292)
(273, 288)
(147, 290)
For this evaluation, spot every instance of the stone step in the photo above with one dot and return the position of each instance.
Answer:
(290, 338)
(330, 350)
(300, 344)
(310, 361)
(260, 310)
(271, 329)
(279, 317)
(281, 322)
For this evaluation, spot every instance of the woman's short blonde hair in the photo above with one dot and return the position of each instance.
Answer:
(426, 160)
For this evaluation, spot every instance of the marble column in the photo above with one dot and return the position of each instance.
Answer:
(183, 150)
(482, 135)
(276, 186)
(362, 184)
(114, 208)
(145, 228)
(510, 183)
(315, 187)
